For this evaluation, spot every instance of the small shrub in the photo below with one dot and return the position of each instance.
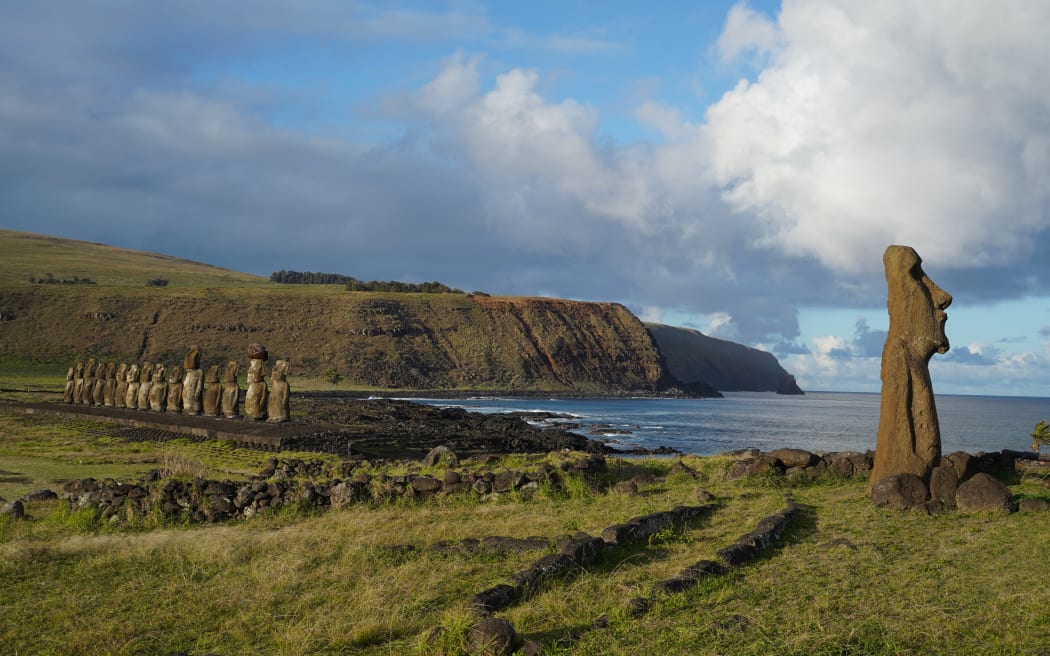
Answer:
(157, 282)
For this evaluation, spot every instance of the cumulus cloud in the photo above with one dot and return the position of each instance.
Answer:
(921, 123)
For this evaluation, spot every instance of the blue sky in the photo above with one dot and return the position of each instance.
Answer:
(734, 167)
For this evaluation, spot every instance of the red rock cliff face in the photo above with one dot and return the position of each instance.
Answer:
(398, 341)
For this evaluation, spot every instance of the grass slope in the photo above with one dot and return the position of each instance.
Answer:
(25, 254)
(850, 579)
(371, 340)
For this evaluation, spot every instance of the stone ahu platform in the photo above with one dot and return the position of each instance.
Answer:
(373, 428)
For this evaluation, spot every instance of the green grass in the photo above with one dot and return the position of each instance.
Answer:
(330, 584)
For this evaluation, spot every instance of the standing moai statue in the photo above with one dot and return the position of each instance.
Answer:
(175, 389)
(131, 398)
(230, 391)
(277, 400)
(192, 382)
(909, 438)
(158, 390)
(255, 397)
(88, 390)
(109, 389)
(212, 392)
(145, 382)
(78, 382)
(67, 391)
(120, 393)
(98, 393)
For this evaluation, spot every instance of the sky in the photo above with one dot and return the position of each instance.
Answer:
(737, 168)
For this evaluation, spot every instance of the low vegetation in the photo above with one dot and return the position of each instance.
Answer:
(849, 578)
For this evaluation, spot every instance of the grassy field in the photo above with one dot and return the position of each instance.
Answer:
(849, 579)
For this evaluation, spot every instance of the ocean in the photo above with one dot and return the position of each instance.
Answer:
(817, 421)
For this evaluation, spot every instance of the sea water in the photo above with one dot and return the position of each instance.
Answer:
(817, 421)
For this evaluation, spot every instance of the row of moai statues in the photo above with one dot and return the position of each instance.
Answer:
(185, 389)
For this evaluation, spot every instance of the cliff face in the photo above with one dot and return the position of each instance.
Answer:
(692, 356)
(402, 341)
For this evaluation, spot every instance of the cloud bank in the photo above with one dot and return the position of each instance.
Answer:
(923, 123)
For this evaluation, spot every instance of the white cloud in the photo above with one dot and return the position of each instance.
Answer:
(746, 31)
(922, 123)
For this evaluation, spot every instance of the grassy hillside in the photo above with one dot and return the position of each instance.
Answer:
(25, 254)
(850, 578)
(369, 340)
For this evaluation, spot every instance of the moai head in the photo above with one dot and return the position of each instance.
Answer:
(158, 373)
(916, 305)
(257, 352)
(122, 372)
(193, 358)
(70, 372)
(146, 372)
(78, 370)
(133, 373)
(111, 371)
(280, 370)
(89, 370)
(176, 374)
(230, 375)
(212, 375)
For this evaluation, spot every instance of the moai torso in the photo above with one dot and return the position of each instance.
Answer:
(255, 397)
(67, 391)
(120, 393)
(145, 382)
(175, 389)
(277, 401)
(230, 391)
(212, 392)
(131, 397)
(158, 390)
(78, 382)
(109, 391)
(88, 392)
(192, 382)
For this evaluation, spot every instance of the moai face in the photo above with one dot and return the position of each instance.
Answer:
(193, 358)
(212, 375)
(916, 304)
(280, 370)
(158, 373)
(232, 369)
(146, 372)
(133, 373)
(176, 374)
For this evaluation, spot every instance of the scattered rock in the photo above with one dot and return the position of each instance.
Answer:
(14, 509)
(900, 491)
(839, 542)
(629, 488)
(983, 492)
(794, 457)
(39, 495)
(1033, 505)
(944, 482)
(441, 455)
(493, 636)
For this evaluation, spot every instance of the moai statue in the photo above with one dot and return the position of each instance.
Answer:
(192, 382)
(230, 391)
(909, 438)
(131, 397)
(175, 389)
(87, 393)
(78, 382)
(120, 394)
(109, 390)
(255, 397)
(98, 393)
(67, 392)
(145, 382)
(158, 390)
(212, 392)
(277, 401)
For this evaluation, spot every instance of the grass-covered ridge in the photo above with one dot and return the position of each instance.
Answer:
(352, 339)
(849, 579)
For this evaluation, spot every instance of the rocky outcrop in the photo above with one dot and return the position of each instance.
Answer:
(692, 356)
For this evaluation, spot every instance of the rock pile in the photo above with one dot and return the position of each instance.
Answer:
(795, 462)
